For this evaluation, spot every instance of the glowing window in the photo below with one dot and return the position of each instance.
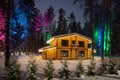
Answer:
(81, 54)
(64, 53)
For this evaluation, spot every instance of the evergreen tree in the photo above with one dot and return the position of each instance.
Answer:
(53, 28)
(28, 6)
(79, 69)
(106, 28)
(2, 25)
(112, 67)
(79, 28)
(48, 20)
(17, 23)
(62, 23)
(118, 64)
(116, 29)
(21, 22)
(38, 21)
(91, 69)
(86, 29)
(64, 72)
(13, 71)
(72, 27)
(49, 70)
(38, 24)
(32, 72)
(103, 68)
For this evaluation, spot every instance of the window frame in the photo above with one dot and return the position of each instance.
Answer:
(64, 43)
(73, 41)
(64, 53)
(81, 53)
(81, 44)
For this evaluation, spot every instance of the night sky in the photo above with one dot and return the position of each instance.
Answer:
(67, 5)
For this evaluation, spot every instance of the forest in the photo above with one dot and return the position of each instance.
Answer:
(29, 29)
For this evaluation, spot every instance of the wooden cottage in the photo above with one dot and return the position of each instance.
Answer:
(67, 46)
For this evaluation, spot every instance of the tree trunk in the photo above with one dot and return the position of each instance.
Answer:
(91, 25)
(7, 26)
(110, 30)
(103, 9)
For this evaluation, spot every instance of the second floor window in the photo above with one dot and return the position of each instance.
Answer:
(65, 43)
(89, 46)
(73, 42)
(81, 43)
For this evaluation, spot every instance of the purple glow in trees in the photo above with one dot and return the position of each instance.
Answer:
(2, 27)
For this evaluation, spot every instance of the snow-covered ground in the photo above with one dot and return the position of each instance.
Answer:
(57, 63)
(23, 60)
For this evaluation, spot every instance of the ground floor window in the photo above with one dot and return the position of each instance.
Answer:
(64, 53)
(81, 54)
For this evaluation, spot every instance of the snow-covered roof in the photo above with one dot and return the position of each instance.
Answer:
(63, 35)
(47, 47)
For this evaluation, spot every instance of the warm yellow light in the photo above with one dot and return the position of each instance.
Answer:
(95, 50)
(90, 41)
(40, 50)
(50, 40)
(51, 48)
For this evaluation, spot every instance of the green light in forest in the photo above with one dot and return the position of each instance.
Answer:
(107, 38)
(46, 35)
(96, 35)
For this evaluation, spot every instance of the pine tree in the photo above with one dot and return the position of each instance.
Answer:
(91, 69)
(103, 68)
(32, 72)
(48, 20)
(72, 27)
(86, 28)
(2, 25)
(118, 63)
(18, 23)
(13, 71)
(28, 6)
(64, 72)
(116, 29)
(62, 23)
(112, 67)
(79, 69)
(49, 70)
(79, 28)
(21, 23)
(38, 24)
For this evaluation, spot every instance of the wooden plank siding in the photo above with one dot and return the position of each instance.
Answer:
(60, 51)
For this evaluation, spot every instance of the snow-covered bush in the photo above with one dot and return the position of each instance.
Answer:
(32, 71)
(64, 72)
(102, 68)
(118, 63)
(49, 70)
(79, 69)
(91, 68)
(112, 67)
(13, 72)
